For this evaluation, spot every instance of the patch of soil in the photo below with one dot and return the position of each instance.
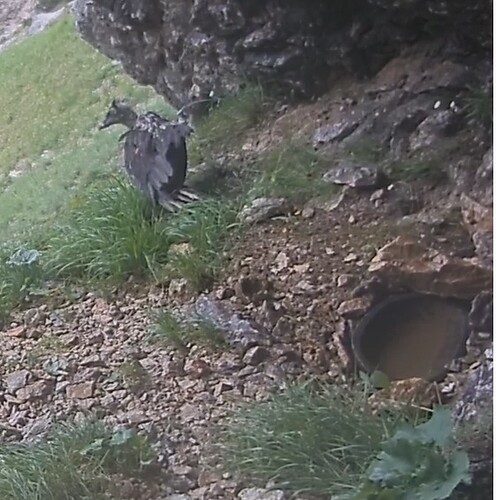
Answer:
(314, 264)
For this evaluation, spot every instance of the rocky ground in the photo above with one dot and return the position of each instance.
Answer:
(291, 286)
(292, 278)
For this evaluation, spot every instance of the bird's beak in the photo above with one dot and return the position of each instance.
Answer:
(106, 123)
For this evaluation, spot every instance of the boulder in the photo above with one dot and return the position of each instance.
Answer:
(190, 50)
(405, 264)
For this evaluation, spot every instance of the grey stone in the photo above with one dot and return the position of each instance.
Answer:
(437, 126)
(41, 21)
(334, 132)
(17, 380)
(262, 209)
(483, 182)
(189, 50)
(256, 355)
(240, 333)
(355, 176)
(477, 396)
(261, 494)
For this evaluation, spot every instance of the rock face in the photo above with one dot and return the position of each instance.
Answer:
(188, 50)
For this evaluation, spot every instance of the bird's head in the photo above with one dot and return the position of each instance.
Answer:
(119, 112)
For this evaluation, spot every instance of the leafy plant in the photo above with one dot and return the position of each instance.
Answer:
(21, 274)
(417, 463)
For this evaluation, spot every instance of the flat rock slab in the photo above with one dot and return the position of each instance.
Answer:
(404, 263)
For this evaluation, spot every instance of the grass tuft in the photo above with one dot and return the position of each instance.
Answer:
(306, 440)
(111, 233)
(417, 170)
(76, 462)
(479, 105)
(292, 171)
(228, 122)
(115, 232)
(206, 228)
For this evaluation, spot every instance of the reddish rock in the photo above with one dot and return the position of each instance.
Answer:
(354, 308)
(404, 263)
(37, 390)
(342, 344)
(410, 391)
(18, 332)
(81, 391)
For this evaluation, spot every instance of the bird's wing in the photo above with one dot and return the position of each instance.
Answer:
(170, 148)
(156, 158)
(149, 169)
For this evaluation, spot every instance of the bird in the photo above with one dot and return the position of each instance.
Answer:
(155, 154)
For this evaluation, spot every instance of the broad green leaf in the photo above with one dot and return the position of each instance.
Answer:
(439, 427)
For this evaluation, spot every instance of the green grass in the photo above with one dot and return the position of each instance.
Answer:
(54, 87)
(292, 171)
(75, 462)
(366, 150)
(114, 232)
(54, 91)
(416, 169)
(207, 228)
(41, 197)
(478, 104)
(170, 329)
(111, 233)
(307, 440)
(228, 122)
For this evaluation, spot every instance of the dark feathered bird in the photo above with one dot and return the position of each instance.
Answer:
(155, 154)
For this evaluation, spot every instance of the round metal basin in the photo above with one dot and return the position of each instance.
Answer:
(411, 335)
